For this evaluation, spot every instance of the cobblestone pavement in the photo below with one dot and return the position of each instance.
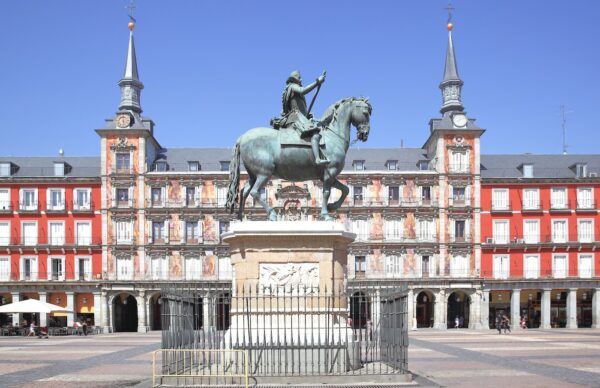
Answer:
(526, 358)
(106, 360)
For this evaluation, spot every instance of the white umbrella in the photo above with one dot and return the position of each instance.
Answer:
(32, 306)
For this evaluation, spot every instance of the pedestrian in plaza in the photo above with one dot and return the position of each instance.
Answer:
(523, 322)
(456, 322)
(31, 330)
(461, 321)
(84, 327)
(499, 323)
(506, 324)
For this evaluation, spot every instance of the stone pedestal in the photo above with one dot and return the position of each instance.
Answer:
(289, 286)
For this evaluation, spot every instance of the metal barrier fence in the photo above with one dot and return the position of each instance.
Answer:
(290, 332)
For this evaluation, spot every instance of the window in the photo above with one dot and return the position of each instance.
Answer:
(425, 270)
(157, 196)
(359, 165)
(394, 266)
(459, 162)
(83, 268)
(423, 165)
(161, 166)
(459, 196)
(59, 169)
(426, 230)
(586, 262)
(4, 169)
(558, 198)
(223, 227)
(192, 231)
(581, 170)
(224, 165)
(360, 267)
(459, 266)
(191, 196)
(159, 267)
(531, 231)
(559, 266)
(531, 199)
(585, 231)
(124, 232)
(500, 232)
(585, 198)
(83, 233)
(528, 171)
(393, 230)
(361, 229)
(159, 231)
(29, 233)
(392, 165)
(459, 230)
(193, 268)
(193, 166)
(56, 233)
(55, 199)
(124, 268)
(123, 162)
(225, 268)
(500, 199)
(559, 231)
(5, 233)
(531, 266)
(4, 268)
(393, 195)
(81, 199)
(29, 199)
(221, 195)
(123, 197)
(357, 193)
(29, 268)
(425, 195)
(4, 199)
(501, 266)
(56, 267)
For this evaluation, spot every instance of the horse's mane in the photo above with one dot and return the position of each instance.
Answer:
(331, 113)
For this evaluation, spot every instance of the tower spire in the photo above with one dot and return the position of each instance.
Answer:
(130, 84)
(451, 85)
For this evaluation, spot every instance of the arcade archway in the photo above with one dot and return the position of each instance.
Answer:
(222, 313)
(154, 316)
(125, 317)
(424, 312)
(458, 308)
(360, 310)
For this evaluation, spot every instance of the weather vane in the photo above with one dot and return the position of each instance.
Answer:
(449, 8)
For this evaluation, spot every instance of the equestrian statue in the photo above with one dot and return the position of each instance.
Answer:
(298, 147)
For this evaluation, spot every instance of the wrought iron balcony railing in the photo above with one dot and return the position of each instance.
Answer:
(556, 238)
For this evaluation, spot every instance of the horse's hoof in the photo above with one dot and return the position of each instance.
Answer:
(327, 217)
(272, 216)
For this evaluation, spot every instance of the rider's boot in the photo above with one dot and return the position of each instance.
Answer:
(314, 141)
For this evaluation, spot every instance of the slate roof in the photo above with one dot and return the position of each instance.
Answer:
(544, 166)
(27, 166)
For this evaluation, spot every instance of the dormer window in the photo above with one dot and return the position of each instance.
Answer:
(392, 165)
(5, 169)
(528, 171)
(423, 165)
(224, 165)
(581, 170)
(59, 169)
(160, 166)
(359, 165)
(193, 166)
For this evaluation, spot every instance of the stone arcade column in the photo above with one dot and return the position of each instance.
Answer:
(98, 309)
(43, 316)
(572, 309)
(411, 310)
(71, 308)
(141, 312)
(106, 312)
(596, 309)
(475, 311)
(545, 321)
(515, 308)
(440, 310)
(485, 310)
(16, 318)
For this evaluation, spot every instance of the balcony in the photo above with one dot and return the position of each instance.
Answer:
(408, 202)
(68, 241)
(166, 275)
(499, 207)
(461, 168)
(460, 239)
(560, 206)
(584, 206)
(58, 207)
(5, 207)
(83, 207)
(544, 239)
(531, 274)
(29, 207)
(531, 206)
(59, 276)
(459, 202)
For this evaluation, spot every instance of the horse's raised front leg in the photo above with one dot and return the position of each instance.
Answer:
(245, 192)
(261, 181)
(326, 193)
(344, 189)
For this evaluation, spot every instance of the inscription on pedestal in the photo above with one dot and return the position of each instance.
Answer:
(289, 278)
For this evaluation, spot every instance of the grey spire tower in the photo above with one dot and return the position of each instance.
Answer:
(452, 84)
(130, 84)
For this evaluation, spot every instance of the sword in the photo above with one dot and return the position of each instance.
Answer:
(315, 96)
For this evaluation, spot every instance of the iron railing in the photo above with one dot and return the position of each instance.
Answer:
(291, 332)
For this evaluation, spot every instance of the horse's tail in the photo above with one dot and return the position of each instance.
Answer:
(234, 179)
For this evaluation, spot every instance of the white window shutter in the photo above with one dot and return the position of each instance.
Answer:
(163, 196)
(183, 195)
(467, 230)
(150, 232)
(166, 232)
(199, 232)
(182, 231)
(198, 195)
(130, 196)
(21, 198)
(35, 198)
(48, 199)
(452, 229)
(114, 197)
(451, 196)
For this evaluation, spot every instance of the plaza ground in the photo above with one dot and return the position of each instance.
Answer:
(466, 358)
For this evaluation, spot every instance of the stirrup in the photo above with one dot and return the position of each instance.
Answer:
(321, 162)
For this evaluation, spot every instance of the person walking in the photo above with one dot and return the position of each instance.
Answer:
(506, 324)
(498, 323)
(456, 322)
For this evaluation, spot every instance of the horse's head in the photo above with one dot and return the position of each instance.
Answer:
(361, 116)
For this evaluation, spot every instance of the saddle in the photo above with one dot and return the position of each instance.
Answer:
(289, 137)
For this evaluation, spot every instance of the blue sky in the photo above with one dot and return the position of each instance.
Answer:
(213, 69)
